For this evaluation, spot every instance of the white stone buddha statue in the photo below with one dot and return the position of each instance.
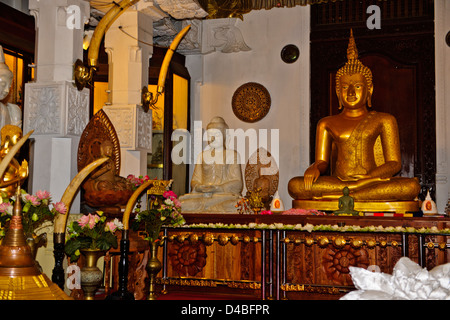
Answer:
(216, 183)
(9, 113)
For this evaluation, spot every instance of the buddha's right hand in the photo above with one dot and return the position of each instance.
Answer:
(311, 175)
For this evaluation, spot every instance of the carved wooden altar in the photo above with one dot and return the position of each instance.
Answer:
(296, 264)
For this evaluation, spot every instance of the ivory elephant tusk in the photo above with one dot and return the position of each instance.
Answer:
(168, 57)
(10, 155)
(132, 201)
(71, 190)
(103, 26)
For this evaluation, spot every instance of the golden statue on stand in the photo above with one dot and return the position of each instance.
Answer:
(15, 173)
(362, 148)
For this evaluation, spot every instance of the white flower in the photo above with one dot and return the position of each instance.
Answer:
(309, 227)
(168, 202)
(118, 224)
(23, 196)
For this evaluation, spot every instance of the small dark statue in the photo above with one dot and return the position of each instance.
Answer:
(346, 204)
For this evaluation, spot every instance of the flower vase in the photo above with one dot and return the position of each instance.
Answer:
(91, 276)
(153, 268)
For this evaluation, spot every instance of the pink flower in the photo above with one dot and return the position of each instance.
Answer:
(43, 194)
(110, 226)
(88, 220)
(93, 219)
(84, 220)
(266, 212)
(169, 194)
(33, 199)
(6, 207)
(60, 207)
(177, 203)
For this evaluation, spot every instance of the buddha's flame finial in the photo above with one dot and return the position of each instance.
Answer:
(352, 51)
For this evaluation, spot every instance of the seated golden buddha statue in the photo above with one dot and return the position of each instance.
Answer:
(366, 148)
(16, 173)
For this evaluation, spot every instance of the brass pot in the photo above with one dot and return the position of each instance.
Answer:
(153, 268)
(91, 276)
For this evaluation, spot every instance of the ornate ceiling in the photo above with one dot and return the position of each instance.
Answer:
(170, 16)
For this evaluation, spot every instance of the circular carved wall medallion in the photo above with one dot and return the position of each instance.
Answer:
(251, 102)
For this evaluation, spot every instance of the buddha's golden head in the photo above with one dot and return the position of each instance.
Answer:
(354, 73)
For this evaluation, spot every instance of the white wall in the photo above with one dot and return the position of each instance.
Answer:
(442, 26)
(216, 76)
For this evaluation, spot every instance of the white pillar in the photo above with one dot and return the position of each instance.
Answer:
(442, 50)
(54, 108)
(127, 45)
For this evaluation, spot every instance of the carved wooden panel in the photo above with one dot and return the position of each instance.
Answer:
(220, 259)
(329, 264)
(187, 259)
(99, 129)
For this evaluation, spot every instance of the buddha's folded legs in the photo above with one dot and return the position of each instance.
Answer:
(397, 188)
(323, 185)
(329, 188)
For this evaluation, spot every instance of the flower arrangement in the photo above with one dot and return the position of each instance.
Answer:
(243, 206)
(162, 210)
(321, 227)
(137, 181)
(91, 231)
(303, 212)
(35, 210)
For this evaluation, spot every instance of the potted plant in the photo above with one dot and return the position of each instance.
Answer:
(36, 210)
